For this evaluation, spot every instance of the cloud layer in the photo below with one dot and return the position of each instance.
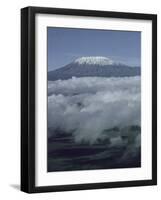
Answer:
(87, 107)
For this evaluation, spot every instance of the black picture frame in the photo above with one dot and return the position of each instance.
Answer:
(28, 98)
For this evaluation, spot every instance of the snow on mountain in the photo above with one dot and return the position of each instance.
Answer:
(93, 67)
(94, 60)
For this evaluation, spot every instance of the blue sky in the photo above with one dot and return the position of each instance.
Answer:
(68, 44)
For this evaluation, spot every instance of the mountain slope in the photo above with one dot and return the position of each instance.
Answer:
(93, 66)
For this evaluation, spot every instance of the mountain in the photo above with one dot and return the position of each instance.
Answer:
(93, 66)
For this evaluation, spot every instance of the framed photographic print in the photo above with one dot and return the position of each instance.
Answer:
(88, 99)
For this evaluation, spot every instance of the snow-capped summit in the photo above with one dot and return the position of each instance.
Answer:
(94, 60)
(93, 67)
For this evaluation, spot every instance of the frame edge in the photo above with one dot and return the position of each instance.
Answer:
(154, 99)
(27, 101)
(24, 100)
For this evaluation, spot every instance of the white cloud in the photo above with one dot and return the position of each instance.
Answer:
(88, 106)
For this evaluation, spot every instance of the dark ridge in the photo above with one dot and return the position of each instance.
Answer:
(86, 70)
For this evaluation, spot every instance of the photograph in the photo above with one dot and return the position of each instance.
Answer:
(93, 99)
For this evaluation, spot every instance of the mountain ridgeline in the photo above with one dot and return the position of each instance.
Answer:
(93, 67)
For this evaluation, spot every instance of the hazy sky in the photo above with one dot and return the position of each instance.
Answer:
(67, 44)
